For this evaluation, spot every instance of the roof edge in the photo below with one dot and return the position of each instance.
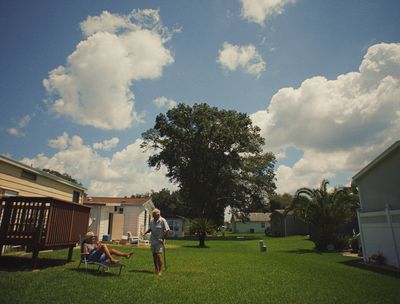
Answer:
(376, 160)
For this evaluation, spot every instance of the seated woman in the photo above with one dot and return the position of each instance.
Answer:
(98, 252)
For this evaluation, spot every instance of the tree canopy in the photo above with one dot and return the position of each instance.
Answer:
(215, 156)
(325, 211)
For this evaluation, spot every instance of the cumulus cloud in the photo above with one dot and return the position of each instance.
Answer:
(259, 11)
(340, 124)
(124, 173)
(164, 102)
(18, 129)
(107, 144)
(94, 86)
(232, 57)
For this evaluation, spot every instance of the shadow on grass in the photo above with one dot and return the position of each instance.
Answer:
(196, 246)
(303, 251)
(94, 272)
(14, 263)
(220, 238)
(386, 270)
(141, 271)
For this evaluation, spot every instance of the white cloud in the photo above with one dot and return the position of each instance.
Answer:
(93, 88)
(340, 124)
(259, 11)
(107, 144)
(18, 130)
(164, 102)
(60, 142)
(231, 57)
(124, 173)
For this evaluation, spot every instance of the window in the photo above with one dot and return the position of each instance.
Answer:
(262, 225)
(173, 225)
(28, 175)
(121, 210)
(75, 197)
(8, 192)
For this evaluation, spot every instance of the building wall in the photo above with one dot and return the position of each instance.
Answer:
(10, 179)
(378, 234)
(246, 227)
(381, 185)
(131, 219)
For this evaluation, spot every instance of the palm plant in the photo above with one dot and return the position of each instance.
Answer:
(325, 211)
(201, 227)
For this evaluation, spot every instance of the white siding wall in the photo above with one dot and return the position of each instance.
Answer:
(245, 227)
(132, 219)
(377, 234)
(95, 219)
(105, 211)
(381, 185)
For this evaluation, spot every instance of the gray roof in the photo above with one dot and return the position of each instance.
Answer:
(377, 160)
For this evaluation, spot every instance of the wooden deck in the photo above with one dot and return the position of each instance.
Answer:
(41, 223)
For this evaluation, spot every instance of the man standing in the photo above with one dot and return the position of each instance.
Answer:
(159, 230)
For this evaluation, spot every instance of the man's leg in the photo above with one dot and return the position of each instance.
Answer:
(156, 269)
(159, 262)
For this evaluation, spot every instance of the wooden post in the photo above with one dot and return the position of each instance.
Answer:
(38, 235)
(5, 225)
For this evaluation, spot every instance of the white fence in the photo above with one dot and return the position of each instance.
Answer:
(380, 232)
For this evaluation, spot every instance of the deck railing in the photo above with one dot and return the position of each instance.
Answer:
(41, 223)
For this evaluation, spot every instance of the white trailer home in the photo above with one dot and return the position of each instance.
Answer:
(379, 216)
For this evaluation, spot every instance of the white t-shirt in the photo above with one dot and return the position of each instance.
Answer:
(158, 229)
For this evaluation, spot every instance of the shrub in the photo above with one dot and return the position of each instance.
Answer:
(377, 258)
(354, 242)
(341, 241)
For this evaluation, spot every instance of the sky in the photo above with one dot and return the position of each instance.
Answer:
(81, 80)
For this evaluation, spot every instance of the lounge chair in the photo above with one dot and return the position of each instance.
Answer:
(102, 267)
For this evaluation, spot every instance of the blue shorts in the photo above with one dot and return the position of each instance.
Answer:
(97, 256)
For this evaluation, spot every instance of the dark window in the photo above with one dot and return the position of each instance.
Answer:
(8, 192)
(75, 197)
(121, 210)
(29, 175)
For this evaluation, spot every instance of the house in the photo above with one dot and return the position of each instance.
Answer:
(379, 213)
(115, 216)
(179, 226)
(284, 223)
(253, 223)
(18, 179)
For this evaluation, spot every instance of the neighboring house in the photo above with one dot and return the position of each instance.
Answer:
(115, 216)
(18, 179)
(284, 223)
(379, 214)
(253, 223)
(179, 225)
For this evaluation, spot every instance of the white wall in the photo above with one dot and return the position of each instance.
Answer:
(245, 227)
(377, 234)
(381, 184)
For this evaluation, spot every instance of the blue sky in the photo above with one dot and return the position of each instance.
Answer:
(81, 80)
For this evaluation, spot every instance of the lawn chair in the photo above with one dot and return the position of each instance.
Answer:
(135, 239)
(102, 267)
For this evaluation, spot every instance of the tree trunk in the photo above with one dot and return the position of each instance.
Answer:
(202, 240)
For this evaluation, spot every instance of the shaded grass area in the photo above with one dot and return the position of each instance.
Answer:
(226, 272)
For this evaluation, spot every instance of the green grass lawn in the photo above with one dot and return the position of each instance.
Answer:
(228, 271)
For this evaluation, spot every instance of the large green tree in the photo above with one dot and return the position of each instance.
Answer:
(170, 203)
(325, 211)
(215, 156)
